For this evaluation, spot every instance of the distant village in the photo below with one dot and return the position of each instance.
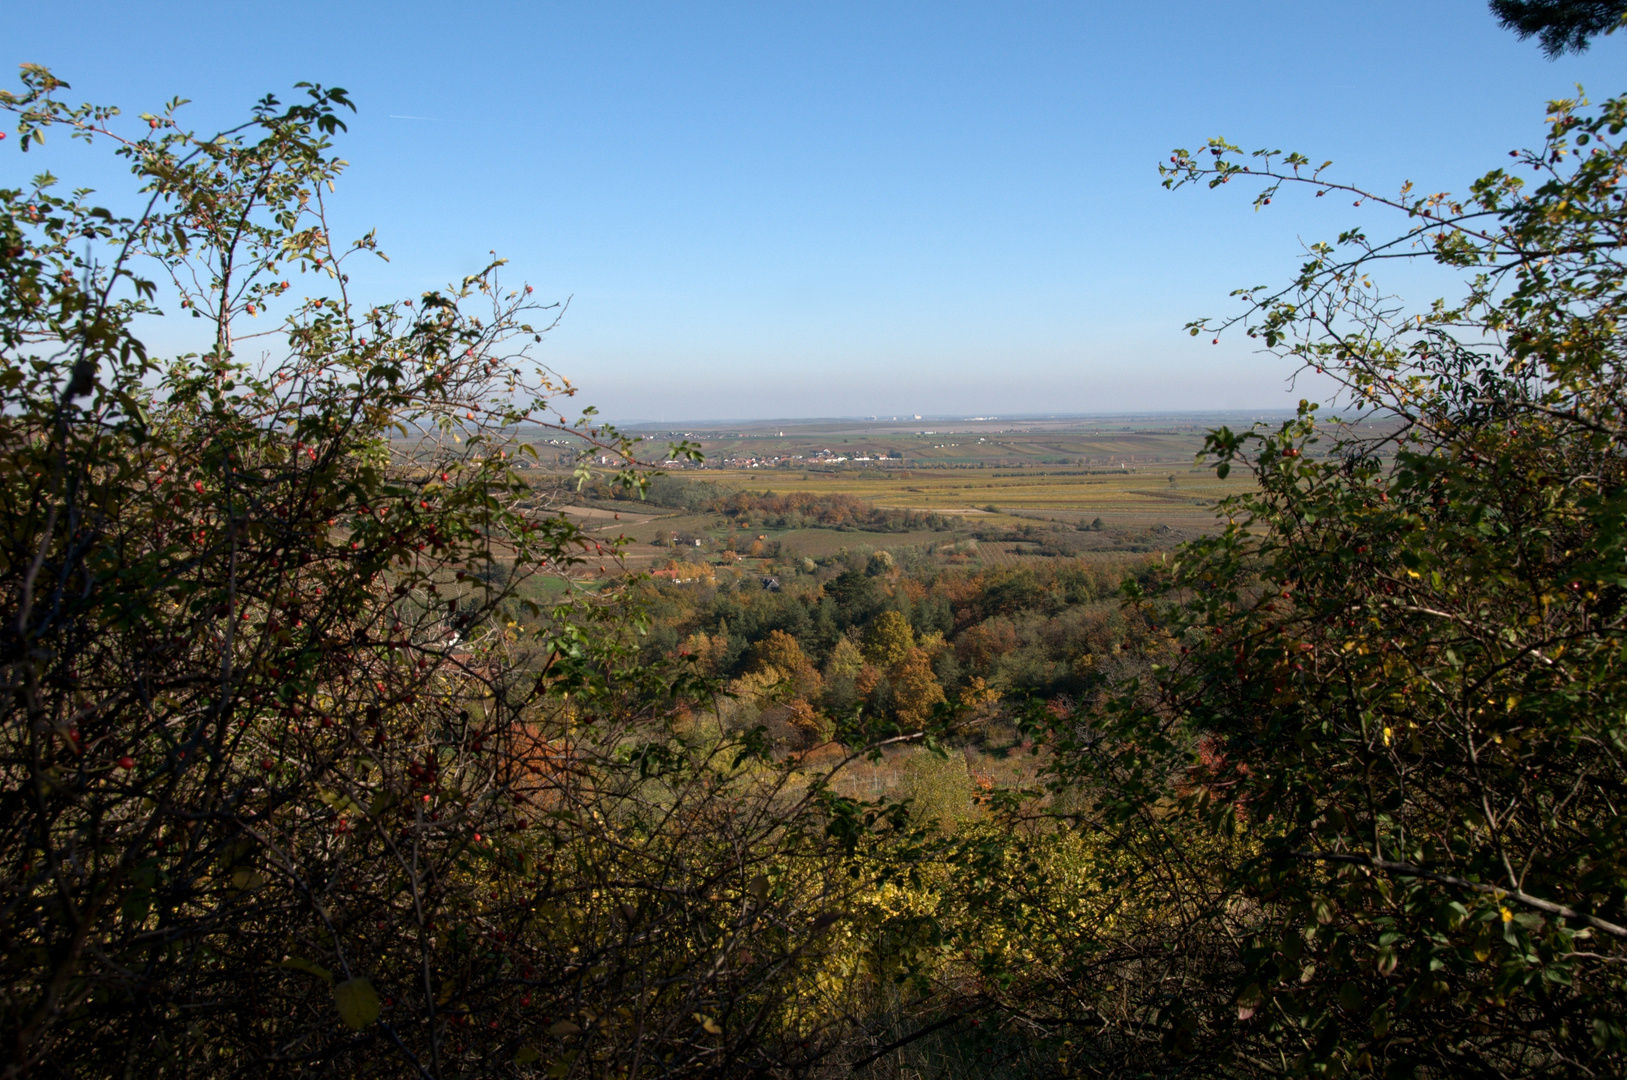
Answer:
(552, 453)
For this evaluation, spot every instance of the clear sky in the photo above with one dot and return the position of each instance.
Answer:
(818, 209)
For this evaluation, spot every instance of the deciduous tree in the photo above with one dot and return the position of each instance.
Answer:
(1377, 773)
(296, 775)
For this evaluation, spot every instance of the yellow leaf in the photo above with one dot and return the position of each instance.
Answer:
(358, 1003)
(563, 1028)
(525, 1055)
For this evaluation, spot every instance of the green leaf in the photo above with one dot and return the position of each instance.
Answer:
(247, 880)
(358, 1003)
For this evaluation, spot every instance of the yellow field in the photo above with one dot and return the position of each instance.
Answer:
(1000, 516)
(1136, 498)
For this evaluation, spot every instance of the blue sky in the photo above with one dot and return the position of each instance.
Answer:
(778, 210)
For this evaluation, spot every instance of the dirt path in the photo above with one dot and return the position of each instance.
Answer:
(601, 517)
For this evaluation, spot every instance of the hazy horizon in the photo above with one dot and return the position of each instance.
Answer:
(1116, 416)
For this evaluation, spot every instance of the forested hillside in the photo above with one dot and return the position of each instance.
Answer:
(867, 632)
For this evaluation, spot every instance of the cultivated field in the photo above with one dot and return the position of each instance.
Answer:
(1180, 496)
(999, 494)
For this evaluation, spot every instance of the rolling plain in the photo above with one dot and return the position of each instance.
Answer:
(986, 492)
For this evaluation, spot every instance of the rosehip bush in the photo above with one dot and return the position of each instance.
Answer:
(298, 774)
